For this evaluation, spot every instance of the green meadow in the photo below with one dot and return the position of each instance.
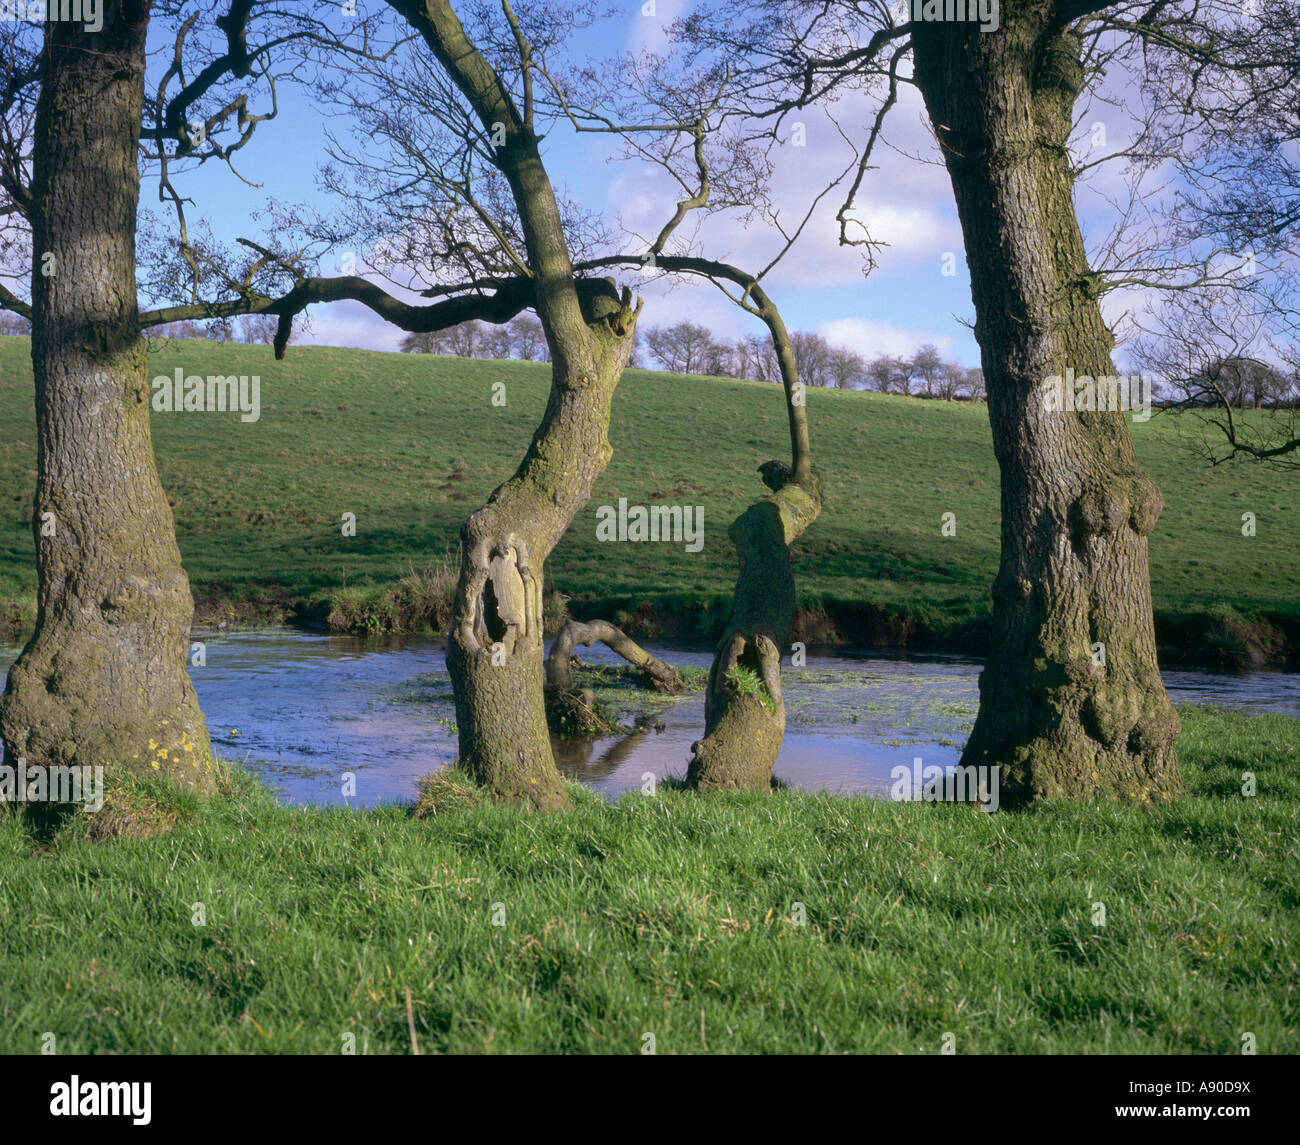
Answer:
(411, 444)
(784, 922)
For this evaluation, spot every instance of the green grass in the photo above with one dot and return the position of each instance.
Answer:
(673, 915)
(413, 444)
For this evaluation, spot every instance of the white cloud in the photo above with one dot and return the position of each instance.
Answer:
(905, 203)
(871, 338)
(350, 324)
(650, 21)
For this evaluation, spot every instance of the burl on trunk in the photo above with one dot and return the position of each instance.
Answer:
(1071, 700)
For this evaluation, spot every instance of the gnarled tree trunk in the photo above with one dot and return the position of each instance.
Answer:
(744, 719)
(495, 652)
(1071, 700)
(663, 677)
(744, 714)
(572, 711)
(102, 680)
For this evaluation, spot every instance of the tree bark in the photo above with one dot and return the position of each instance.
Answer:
(744, 713)
(1071, 700)
(744, 726)
(103, 679)
(494, 655)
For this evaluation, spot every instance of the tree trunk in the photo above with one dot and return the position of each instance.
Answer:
(744, 714)
(494, 655)
(1071, 700)
(102, 680)
(495, 652)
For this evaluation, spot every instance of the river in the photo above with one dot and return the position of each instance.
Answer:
(304, 710)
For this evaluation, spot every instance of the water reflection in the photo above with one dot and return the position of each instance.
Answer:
(305, 710)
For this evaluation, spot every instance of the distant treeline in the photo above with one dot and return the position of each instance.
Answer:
(686, 348)
(250, 329)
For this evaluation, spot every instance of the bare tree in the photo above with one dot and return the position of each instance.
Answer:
(257, 329)
(1216, 359)
(928, 366)
(103, 677)
(757, 359)
(482, 208)
(424, 342)
(846, 369)
(529, 339)
(812, 357)
(1072, 702)
(682, 348)
(883, 373)
(497, 342)
(950, 381)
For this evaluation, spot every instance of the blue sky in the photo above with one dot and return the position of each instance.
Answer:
(906, 302)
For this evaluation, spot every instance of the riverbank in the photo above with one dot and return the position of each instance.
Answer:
(788, 922)
(1220, 638)
(408, 445)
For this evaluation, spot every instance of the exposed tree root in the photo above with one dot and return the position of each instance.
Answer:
(573, 711)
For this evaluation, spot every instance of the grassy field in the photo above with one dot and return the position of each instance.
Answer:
(673, 915)
(412, 444)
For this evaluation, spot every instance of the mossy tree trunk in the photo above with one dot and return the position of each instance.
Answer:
(494, 654)
(1071, 700)
(744, 713)
(104, 675)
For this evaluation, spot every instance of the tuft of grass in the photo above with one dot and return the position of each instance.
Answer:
(746, 682)
(428, 595)
(446, 789)
(581, 931)
(421, 601)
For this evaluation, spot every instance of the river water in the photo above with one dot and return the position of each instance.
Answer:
(305, 710)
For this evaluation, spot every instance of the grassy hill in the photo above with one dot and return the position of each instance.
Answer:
(411, 444)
